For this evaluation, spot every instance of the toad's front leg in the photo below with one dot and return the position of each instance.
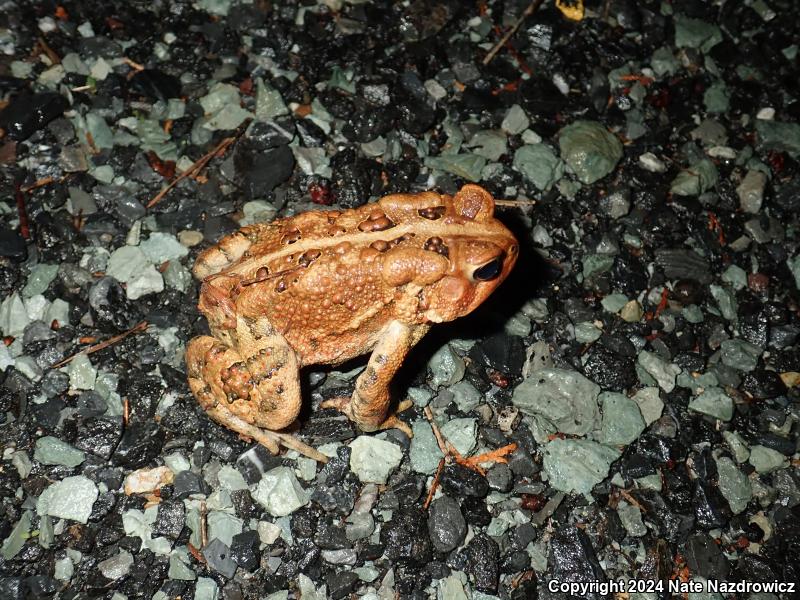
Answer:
(369, 404)
(246, 378)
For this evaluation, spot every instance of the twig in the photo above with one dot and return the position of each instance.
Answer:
(632, 500)
(497, 455)
(434, 484)
(439, 438)
(473, 462)
(531, 8)
(51, 54)
(139, 327)
(515, 203)
(203, 526)
(41, 183)
(196, 167)
(24, 229)
(132, 64)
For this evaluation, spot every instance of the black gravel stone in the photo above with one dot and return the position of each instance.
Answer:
(500, 478)
(341, 583)
(609, 370)
(337, 487)
(705, 558)
(218, 558)
(140, 443)
(522, 464)
(254, 462)
(329, 536)
(710, 508)
(636, 466)
(28, 113)
(47, 414)
(476, 513)
(187, 483)
(782, 336)
(354, 178)
(680, 263)
(483, 562)
(521, 536)
(155, 84)
(458, 481)
(170, 519)
(369, 123)
(110, 307)
(304, 522)
(540, 96)
(572, 558)
(405, 537)
(501, 352)
(670, 525)
(12, 244)
(90, 404)
(446, 525)
(763, 384)
(262, 173)
(244, 550)
(515, 562)
(753, 568)
(12, 588)
(40, 587)
(778, 443)
(243, 504)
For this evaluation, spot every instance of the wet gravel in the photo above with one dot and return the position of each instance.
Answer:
(643, 356)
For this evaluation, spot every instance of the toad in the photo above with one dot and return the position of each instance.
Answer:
(323, 287)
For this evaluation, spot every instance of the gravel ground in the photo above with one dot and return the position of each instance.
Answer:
(642, 359)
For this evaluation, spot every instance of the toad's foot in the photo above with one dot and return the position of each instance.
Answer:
(271, 440)
(343, 405)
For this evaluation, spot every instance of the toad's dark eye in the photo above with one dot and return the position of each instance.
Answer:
(489, 271)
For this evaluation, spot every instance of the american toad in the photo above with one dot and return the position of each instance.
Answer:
(323, 287)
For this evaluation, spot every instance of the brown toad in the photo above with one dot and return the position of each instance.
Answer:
(323, 287)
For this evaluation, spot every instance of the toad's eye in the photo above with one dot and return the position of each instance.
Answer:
(489, 271)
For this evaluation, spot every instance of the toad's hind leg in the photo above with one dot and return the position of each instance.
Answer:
(245, 381)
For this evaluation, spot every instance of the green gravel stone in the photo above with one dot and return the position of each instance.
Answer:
(779, 136)
(539, 165)
(566, 400)
(622, 421)
(735, 276)
(468, 166)
(737, 445)
(716, 98)
(767, 460)
(39, 279)
(53, 451)
(713, 402)
(594, 264)
(424, 453)
(726, 302)
(733, 484)
(590, 150)
(695, 33)
(575, 465)
(695, 180)
(662, 371)
(740, 355)
(586, 332)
